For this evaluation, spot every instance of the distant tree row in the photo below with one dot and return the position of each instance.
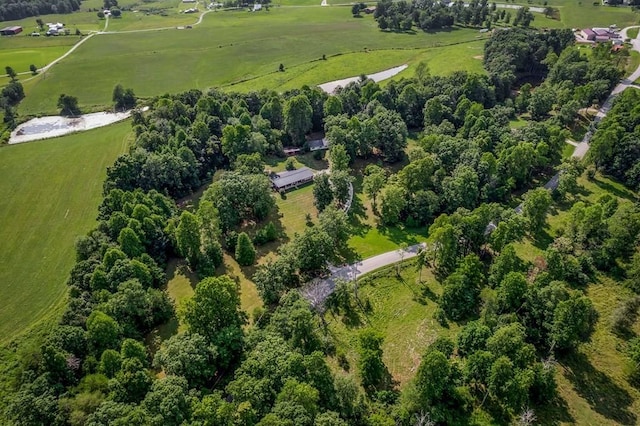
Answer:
(435, 15)
(11, 10)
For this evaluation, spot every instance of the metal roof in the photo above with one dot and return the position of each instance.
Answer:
(292, 177)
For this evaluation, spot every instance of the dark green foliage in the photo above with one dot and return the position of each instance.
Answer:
(295, 322)
(214, 312)
(240, 197)
(168, 402)
(123, 99)
(373, 372)
(12, 93)
(275, 277)
(245, 252)
(68, 105)
(103, 332)
(615, 148)
(573, 322)
(459, 298)
(298, 114)
(322, 192)
(472, 338)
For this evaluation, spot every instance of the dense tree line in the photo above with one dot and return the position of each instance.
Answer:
(11, 10)
(429, 15)
(615, 146)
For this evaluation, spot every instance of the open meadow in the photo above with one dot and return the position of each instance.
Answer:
(49, 194)
(230, 47)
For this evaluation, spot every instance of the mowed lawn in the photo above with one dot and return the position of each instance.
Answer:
(49, 194)
(227, 47)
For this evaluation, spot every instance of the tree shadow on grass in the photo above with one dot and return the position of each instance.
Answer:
(542, 239)
(555, 412)
(402, 236)
(599, 390)
(621, 193)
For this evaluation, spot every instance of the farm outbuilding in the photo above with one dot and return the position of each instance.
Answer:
(291, 179)
(318, 144)
(11, 30)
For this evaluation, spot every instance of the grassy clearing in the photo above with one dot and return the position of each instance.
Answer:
(567, 150)
(249, 45)
(132, 21)
(442, 60)
(369, 237)
(402, 311)
(633, 62)
(583, 14)
(293, 209)
(591, 383)
(49, 194)
(633, 32)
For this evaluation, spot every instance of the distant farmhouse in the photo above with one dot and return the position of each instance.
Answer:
(11, 30)
(599, 35)
(55, 29)
(284, 181)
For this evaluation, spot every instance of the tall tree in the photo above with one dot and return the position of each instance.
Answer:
(245, 252)
(68, 105)
(338, 158)
(297, 118)
(373, 182)
(214, 312)
(322, 191)
(534, 208)
(11, 73)
(188, 238)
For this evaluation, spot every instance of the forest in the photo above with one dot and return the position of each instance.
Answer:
(434, 16)
(11, 10)
(466, 169)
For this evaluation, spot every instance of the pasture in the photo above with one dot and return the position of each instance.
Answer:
(227, 47)
(49, 194)
(402, 308)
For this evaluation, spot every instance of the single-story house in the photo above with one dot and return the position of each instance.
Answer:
(291, 179)
(588, 34)
(13, 30)
(318, 144)
(257, 7)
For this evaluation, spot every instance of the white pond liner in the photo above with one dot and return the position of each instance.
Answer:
(331, 86)
(54, 126)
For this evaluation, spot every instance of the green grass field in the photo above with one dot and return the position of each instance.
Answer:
(402, 311)
(229, 47)
(49, 194)
(583, 14)
(633, 32)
